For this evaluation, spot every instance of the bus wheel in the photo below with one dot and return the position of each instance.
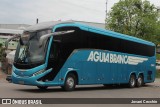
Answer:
(132, 81)
(70, 82)
(140, 81)
(42, 87)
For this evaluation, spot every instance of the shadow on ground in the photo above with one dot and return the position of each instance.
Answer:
(80, 88)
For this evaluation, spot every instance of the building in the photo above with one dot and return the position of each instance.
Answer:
(9, 30)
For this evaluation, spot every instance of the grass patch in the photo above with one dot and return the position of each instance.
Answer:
(158, 74)
(158, 56)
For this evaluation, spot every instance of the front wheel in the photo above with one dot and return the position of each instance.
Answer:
(132, 81)
(70, 82)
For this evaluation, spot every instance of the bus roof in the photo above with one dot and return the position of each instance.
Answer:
(52, 24)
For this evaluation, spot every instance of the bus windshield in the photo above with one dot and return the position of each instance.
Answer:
(28, 50)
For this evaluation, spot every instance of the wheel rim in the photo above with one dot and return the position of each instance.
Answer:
(132, 81)
(139, 81)
(70, 82)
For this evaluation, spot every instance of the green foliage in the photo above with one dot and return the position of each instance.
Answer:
(158, 74)
(158, 56)
(2, 50)
(137, 18)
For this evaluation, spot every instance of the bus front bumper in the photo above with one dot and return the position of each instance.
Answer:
(32, 80)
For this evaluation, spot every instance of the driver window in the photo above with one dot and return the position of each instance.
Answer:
(53, 51)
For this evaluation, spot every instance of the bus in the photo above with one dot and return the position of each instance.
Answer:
(67, 54)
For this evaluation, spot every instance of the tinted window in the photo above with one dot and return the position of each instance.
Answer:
(104, 42)
(83, 39)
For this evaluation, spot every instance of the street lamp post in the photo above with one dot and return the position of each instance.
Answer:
(106, 14)
(106, 7)
(158, 9)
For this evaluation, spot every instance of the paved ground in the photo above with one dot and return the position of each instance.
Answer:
(151, 90)
(2, 77)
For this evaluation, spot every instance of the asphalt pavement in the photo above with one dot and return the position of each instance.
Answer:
(2, 77)
(10, 90)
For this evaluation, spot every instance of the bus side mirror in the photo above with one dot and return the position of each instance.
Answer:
(9, 39)
(45, 37)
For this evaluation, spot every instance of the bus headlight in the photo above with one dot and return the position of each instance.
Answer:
(39, 72)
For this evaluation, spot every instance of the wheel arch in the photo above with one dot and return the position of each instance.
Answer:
(140, 73)
(132, 73)
(75, 73)
(140, 79)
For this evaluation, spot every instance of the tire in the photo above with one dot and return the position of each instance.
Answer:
(42, 87)
(140, 81)
(132, 81)
(70, 82)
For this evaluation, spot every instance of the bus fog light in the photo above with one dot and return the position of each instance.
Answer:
(39, 72)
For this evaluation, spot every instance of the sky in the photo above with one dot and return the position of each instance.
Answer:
(27, 11)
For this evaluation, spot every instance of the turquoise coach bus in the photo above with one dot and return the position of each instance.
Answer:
(67, 54)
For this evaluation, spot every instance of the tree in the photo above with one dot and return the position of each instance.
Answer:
(137, 18)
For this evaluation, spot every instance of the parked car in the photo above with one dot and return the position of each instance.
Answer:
(158, 65)
(8, 78)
